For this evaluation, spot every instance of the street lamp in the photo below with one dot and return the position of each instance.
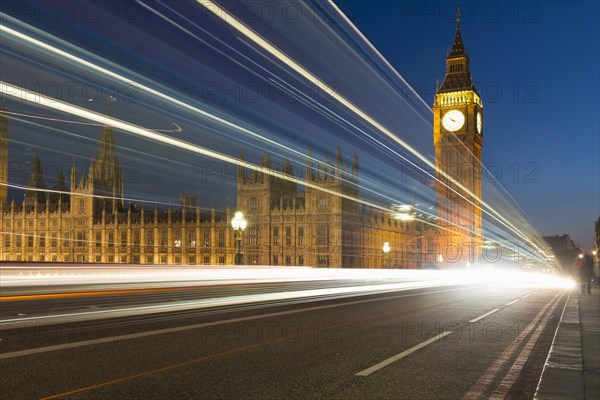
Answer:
(386, 251)
(238, 223)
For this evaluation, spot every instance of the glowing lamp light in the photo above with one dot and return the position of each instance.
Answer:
(238, 222)
(386, 247)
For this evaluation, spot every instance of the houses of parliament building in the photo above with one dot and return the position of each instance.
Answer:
(89, 220)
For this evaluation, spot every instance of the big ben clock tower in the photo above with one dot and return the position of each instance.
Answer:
(457, 137)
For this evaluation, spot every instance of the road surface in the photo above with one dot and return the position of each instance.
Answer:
(455, 341)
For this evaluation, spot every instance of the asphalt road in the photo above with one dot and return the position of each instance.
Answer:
(426, 343)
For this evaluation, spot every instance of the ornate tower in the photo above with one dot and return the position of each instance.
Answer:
(457, 136)
(3, 154)
(106, 174)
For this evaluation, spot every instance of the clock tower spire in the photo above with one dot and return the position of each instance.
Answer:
(458, 140)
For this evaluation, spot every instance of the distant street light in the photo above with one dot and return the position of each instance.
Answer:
(386, 251)
(594, 252)
(238, 223)
(404, 212)
(581, 256)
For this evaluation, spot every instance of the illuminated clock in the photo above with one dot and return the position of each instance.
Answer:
(479, 122)
(453, 120)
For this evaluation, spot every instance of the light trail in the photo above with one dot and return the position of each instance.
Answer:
(315, 105)
(189, 107)
(102, 70)
(61, 53)
(229, 19)
(36, 98)
(173, 279)
(68, 121)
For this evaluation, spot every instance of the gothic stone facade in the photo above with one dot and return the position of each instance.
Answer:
(318, 225)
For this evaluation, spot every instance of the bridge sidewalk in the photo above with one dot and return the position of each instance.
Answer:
(572, 370)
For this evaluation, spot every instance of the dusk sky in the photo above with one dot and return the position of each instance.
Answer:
(536, 65)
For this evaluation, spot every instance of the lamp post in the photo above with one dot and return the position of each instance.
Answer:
(238, 223)
(386, 252)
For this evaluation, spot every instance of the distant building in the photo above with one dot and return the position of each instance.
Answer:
(560, 242)
(564, 249)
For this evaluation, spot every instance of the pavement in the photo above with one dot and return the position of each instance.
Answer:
(572, 369)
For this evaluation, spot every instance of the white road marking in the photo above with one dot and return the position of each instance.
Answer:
(484, 315)
(405, 353)
(526, 296)
(512, 302)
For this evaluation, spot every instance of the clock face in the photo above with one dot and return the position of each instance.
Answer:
(478, 122)
(453, 120)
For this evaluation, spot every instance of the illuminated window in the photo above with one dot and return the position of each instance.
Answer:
(323, 202)
(253, 204)
(323, 261)
(149, 237)
(221, 242)
(80, 239)
(322, 235)
(253, 236)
